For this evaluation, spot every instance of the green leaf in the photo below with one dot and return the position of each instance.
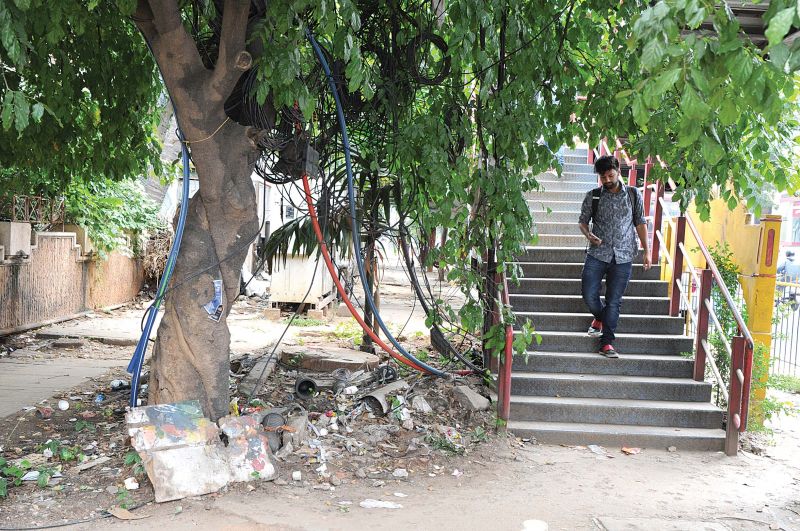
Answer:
(653, 53)
(728, 112)
(36, 112)
(640, 113)
(666, 80)
(22, 110)
(692, 105)
(711, 150)
(695, 14)
(779, 25)
(8, 110)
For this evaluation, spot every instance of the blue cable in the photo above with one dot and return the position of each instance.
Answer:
(135, 365)
(351, 196)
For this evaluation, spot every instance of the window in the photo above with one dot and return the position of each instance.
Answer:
(289, 212)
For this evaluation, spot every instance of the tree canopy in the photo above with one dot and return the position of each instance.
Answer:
(450, 102)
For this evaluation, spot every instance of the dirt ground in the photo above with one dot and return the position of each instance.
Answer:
(486, 481)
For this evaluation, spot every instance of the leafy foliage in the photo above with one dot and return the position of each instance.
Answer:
(78, 97)
(112, 213)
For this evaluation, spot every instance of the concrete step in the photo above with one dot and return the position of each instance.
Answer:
(575, 158)
(560, 286)
(567, 270)
(575, 304)
(569, 228)
(566, 184)
(575, 197)
(659, 344)
(619, 435)
(579, 167)
(609, 386)
(629, 365)
(547, 205)
(542, 216)
(617, 411)
(630, 324)
(577, 241)
(573, 255)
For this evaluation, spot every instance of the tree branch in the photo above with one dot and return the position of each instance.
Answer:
(233, 58)
(166, 17)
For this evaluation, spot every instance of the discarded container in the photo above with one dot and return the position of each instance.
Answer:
(131, 484)
(297, 475)
(63, 405)
(376, 401)
(351, 390)
(305, 388)
(117, 385)
(99, 398)
(44, 412)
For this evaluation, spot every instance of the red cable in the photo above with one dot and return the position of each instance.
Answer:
(329, 264)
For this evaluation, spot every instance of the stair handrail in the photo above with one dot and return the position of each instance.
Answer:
(739, 348)
(504, 371)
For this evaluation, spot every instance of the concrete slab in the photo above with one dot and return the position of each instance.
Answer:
(24, 382)
(657, 524)
(328, 359)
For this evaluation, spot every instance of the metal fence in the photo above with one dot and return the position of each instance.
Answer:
(785, 353)
(31, 209)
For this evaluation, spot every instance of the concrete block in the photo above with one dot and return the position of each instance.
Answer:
(329, 358)
(316, 314)
(183, 454)
(342, 310)
(469, 399)
(273, 314)
(81, 238)
(15, 238)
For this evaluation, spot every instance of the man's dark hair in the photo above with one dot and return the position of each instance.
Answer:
(603, 164)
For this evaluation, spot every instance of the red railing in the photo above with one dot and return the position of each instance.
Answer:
(739, 347)
(506, 360)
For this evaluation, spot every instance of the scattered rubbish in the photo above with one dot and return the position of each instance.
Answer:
(285, 451)
(469, 399)
(305, 388)
(400, 473)
(63, 405)
(118, 385)
(44, 412)
(377, 401)
(48, 453)
(386, 374)
(457, 473)
(379, 504)
(31, 475)
(297, 475)
(99, 398)
(125, 514)
(131, 484)
(418, 403)
(630, 451)
(599, 450)
(672, 449)
(351, 390)
(400, 495)
(92, 463)
(273, 420)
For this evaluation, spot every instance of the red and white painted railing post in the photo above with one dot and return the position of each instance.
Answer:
(735, 403)
(657, 217)
(677, 267)
(701, 333)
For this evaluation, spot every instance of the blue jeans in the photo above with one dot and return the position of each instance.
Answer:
(617, 277)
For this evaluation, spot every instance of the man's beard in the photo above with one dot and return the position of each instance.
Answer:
(611, 186)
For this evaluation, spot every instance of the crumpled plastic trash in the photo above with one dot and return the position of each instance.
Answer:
(379, 504)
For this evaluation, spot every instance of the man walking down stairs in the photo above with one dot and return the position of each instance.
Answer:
(563, 391)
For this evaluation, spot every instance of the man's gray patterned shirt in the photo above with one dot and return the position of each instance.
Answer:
(614, 224)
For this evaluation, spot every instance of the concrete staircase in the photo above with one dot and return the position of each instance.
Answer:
(563, 391)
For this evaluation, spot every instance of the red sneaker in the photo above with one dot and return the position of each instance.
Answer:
(608, 351)
(596, 328)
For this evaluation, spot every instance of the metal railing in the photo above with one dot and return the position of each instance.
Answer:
(700, 313)
(785, 355)
(31, 209)
(703, 315)
(506, 360)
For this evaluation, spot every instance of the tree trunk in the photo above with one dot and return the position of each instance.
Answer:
(191, 354)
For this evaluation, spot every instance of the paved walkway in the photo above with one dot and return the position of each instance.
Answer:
(25, 382)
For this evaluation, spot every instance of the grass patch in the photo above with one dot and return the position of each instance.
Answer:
(790, 384)
(305, 321)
